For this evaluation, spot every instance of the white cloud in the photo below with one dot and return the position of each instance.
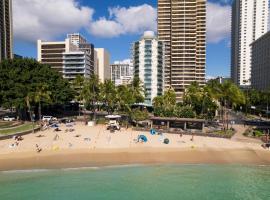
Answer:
(47, 20)
(218, 22)
(40, 19)
(106, 28)
(125, 21)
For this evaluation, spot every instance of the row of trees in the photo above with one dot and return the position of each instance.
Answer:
(25, 85)
(95, 95)
(259, 100)
(201, 101)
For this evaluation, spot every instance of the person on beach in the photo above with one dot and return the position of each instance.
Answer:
(192, 137)
(38, 149)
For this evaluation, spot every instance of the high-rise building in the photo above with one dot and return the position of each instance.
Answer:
(148, 61)
(260, 62)
(249, 22)
(6, 32)
(102, 64)
(182, 26)
(121, 73)
(68, 57)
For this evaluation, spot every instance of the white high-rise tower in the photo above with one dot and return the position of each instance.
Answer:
(249, 22)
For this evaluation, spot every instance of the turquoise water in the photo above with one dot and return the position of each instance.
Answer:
(200, 182)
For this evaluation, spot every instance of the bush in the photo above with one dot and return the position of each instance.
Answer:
(257, 133)
(184, 112)
(138, 115)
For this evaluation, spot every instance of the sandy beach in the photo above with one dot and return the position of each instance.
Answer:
(96, 146)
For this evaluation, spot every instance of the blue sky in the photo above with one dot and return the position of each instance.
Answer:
(113, 29)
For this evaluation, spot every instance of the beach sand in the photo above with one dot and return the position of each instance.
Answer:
(120, 148)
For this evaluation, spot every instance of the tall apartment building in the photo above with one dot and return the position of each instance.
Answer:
(182, 26)
(260, 62)
(249, 22)
(102, 64)
(6, 32)
(68, 58)
(121, 73)
(148, 61)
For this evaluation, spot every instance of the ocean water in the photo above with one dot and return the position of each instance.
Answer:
(180, 182)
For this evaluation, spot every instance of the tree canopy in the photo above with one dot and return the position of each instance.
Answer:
(22, 78)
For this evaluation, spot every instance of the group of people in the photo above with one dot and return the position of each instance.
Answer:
(17, 140)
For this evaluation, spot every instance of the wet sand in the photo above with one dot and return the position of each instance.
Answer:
(83, 158)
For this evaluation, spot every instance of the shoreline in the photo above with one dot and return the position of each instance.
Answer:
(146, 156)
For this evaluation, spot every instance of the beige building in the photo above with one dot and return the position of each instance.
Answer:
(52, 53)
(260, 62)
(182, 26)
(72, 57)
(102, 64)
(6, 32)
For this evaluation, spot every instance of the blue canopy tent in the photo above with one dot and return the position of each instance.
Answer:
(153, 132)
(142, 138)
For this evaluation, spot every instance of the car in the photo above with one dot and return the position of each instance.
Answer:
(9, 118)
(47, 118)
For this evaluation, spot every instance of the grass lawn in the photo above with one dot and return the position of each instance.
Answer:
(5, 124)
(24, 127)
(227, 133)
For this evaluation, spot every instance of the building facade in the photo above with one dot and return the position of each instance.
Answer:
(76, 39)
(182, 26)
(260, 63)
(249, 22)
(148, 62)
(6, 30)
(102, 64)
(76, 64)
(67, 57)
(121, 73)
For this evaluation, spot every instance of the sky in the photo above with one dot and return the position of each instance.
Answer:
(113, 25)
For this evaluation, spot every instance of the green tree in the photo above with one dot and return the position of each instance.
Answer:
(137, 90)
(184, 112)
(164, 105)
(20, 79)
(41, 94)
(78, 84)
(109, 95)
(91, 93)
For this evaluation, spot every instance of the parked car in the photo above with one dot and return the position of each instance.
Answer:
(9, 118)
(48, 118)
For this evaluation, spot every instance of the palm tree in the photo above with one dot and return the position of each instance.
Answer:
(230, 95)
(137, 90)
(42, 93)
(165, 105)
(78, 84)
(91, 92)
(108, 95)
